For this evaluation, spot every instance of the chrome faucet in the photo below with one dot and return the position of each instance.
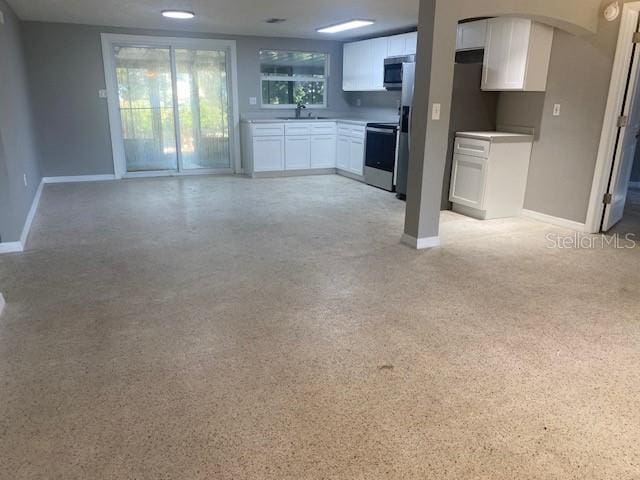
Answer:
(299, 108)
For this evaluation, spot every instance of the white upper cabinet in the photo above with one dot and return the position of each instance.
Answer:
(517, 55)
(363, 62)
(472, 35)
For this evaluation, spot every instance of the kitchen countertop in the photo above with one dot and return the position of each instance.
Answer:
(352, 121)
(495, 136)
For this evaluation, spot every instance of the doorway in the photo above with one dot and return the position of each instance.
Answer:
(611, 192)
(172, 105)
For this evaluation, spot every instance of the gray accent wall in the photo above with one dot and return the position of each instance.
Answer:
(565, 148)
(18, 154)
(66, 71)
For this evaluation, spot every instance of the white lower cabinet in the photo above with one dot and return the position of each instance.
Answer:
(468, 181)
(323, 151)
(297, 153)
(268, 154)
(343, 152)
(356, 156)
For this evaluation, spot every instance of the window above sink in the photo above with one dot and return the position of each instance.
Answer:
(288, 78)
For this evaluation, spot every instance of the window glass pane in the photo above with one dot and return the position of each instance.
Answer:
(203, 106)
(292, 64)
(146, 107)
(286, 92)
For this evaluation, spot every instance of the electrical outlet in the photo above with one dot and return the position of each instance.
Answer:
(556, 110)
(253, 100)
(358, 102)
(102, 93)
(1, 18)
(435, 113)
(24, 177)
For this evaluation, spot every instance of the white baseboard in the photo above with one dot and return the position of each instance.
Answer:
(420, 243)
(79, 178)
(11, 247)
(2, 304)
(31, 215)
(560, 222)
(17, 247)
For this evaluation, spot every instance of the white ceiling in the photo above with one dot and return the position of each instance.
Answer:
(246, 17)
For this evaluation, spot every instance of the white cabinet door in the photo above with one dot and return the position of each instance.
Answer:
(468, 180)
(297, 153)
(411, 43)
(396, 45)
(472, 35)
(268, 154)
(356, 156)
(378, 50)
(343, 152)
(349, 66)
(517, 55)
(323, 151)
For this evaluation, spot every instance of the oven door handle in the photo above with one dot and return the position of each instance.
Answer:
(384, 131)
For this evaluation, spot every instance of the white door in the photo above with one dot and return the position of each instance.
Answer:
(625, 153)
(343, 153)
(323, 151)
(468, 180)
(297, 153)
(171, 105)
(356, 156)
(268, 154)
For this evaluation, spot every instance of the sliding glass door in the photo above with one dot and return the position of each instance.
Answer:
(174, 106)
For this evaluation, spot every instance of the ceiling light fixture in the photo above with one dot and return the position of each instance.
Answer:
(178, 14)
(341, 27)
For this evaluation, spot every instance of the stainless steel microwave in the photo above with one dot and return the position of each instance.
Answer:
(393, 68)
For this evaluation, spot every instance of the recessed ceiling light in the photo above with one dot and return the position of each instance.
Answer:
(341, 27)
(178, 14)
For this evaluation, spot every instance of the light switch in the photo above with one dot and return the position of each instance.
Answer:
(253, 100)
(435, 113)
(1, 18)
(556, 110)
(102, 93)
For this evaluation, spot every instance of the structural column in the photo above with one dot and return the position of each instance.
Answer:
(430, 124)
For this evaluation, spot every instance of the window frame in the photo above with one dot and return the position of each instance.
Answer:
(284, 78)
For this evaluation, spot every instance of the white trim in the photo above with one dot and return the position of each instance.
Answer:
(420, 243)
(31, 215)
(2, 304)
(617, 91)
(557, 221)
(117, 143)
(11, 247)
(17, 247)
(79, 178)
(173, 173)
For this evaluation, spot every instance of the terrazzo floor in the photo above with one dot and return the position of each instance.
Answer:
(227, 328)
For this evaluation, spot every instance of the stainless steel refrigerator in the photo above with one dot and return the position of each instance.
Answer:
(404, 138)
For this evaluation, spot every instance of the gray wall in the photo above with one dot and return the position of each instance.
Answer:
(66, 71)
(471, 110)
(18, 155)
(565, 148)
(635, 173)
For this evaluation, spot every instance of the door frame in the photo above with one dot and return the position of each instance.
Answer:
(607, 155)
(109, 40)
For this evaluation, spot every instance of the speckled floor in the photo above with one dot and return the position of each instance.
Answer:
(226, 328)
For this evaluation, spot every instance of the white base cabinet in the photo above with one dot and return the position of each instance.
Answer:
(297, 154)
(351, 148)
(489, 176)
(268, 154)
(290, 146)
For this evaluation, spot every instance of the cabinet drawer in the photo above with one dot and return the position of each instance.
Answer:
(298, 129)
(267, 130)
(323, 129)
(472, 146)
(358, 132)
(344, 130)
